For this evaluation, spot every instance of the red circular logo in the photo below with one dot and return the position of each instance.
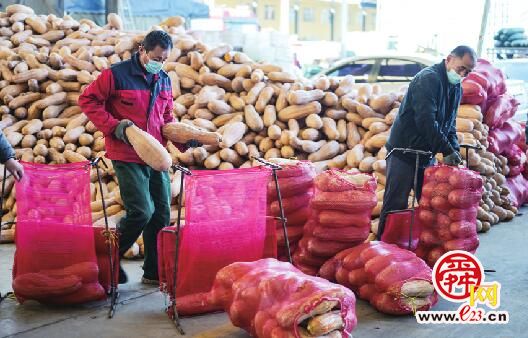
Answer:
(455, 272)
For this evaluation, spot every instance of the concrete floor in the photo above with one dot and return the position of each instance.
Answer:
(140, 312)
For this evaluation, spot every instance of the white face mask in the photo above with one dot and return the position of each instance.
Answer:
(453, 77)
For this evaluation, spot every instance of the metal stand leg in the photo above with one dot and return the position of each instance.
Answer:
(176, 318)
(415, 185)
(274, 167)
(114, 294)
(2, 214)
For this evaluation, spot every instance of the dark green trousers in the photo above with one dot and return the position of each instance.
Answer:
(146, 195)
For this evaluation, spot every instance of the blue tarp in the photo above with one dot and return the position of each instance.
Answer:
(185, 8)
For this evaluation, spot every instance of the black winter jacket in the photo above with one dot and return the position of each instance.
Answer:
(6, 151)
(426, 119)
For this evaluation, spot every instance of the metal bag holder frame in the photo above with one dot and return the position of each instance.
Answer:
(114, 292)
(274, 167)
(418, 153)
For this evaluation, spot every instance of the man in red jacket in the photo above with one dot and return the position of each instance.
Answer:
(136, 92)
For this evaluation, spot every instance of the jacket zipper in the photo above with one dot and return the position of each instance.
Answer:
(151, 98)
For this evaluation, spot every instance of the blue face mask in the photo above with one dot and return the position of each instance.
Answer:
(453, 77)
(153, 67)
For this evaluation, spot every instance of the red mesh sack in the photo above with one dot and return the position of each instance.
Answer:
(55, 260)
(522, 140)
(448, 211)
(296, 187)
(473, 93)
(268, 298)
(500, 139)
(494, 76)
(394, 280)
(516, 160)
(342, 207)
(397, 228)
(515, 170)
(500, 110)
(518, 186)
(480, 79)
(225, 222)
(515, 155)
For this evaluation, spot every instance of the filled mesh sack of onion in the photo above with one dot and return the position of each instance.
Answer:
(394, 280)
(448, 211)
(269, 298)
(341, 213)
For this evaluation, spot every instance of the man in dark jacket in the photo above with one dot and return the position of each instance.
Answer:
(136, 92)
(426, 121)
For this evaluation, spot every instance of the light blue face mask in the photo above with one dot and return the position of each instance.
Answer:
(453, 77)
(153, 67)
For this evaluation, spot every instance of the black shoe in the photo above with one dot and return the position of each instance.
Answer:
(123, 278)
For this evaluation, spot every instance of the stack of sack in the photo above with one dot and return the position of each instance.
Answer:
(511, 37)
(448, 211)
(296, 187)
(341, 212)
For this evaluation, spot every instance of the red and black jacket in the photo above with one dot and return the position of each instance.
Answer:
(123, 92)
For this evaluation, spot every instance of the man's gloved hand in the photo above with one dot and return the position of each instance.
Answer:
(120, 133)
(193, 144)
(453, 159)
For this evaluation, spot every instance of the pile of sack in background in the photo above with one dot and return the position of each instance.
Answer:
(511, 37)
(487, 112)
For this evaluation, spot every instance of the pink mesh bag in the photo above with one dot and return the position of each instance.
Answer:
(225, 222)
(448, 211)
(393, 280)
(55, 260)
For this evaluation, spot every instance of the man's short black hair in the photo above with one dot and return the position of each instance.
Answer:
(462, 50)
(157, 38)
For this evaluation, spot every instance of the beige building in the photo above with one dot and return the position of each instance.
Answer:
(310, 19)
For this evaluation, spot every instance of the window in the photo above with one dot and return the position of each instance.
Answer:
(308, 14)
(269, 12)
(360, 69)
(397, 70)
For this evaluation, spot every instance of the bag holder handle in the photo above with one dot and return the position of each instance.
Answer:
(418, 153)
(274, 167)
(467, 147)
(110, 239)
(184, 171)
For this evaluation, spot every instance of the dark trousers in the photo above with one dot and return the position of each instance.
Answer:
(146, 195)
(400, 182)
